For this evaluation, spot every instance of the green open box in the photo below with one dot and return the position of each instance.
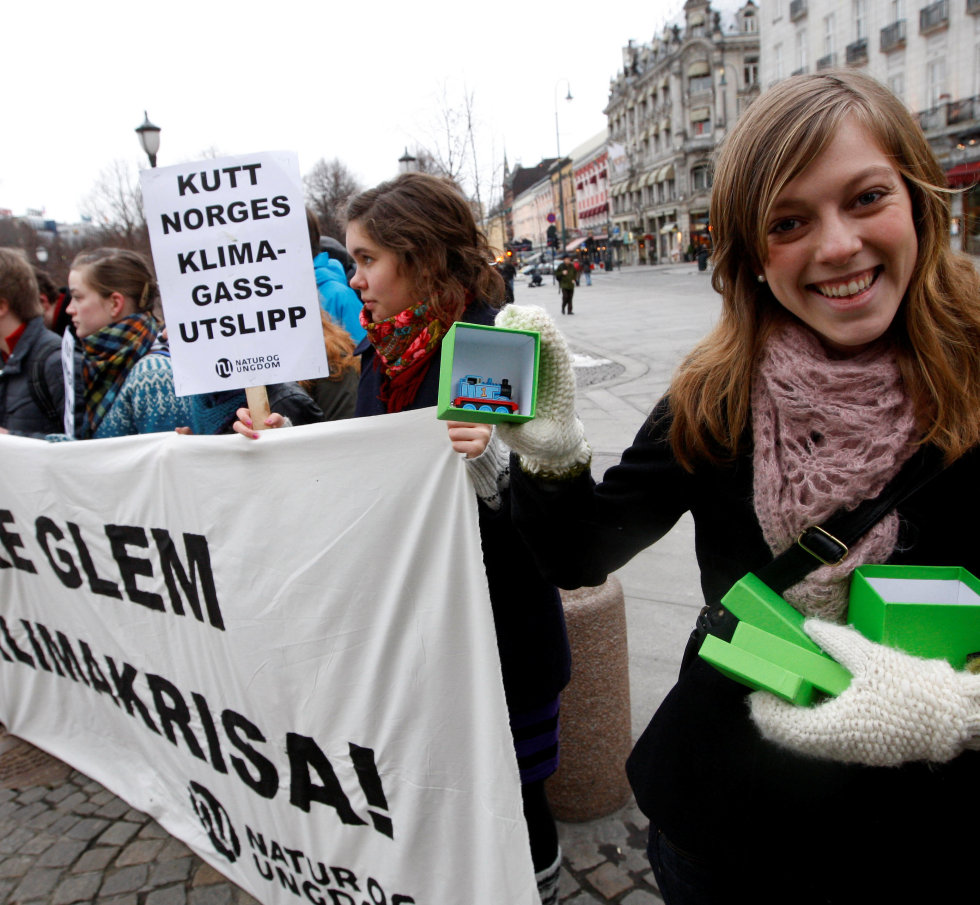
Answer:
(769, 649)
(930, 611)
(476, 362)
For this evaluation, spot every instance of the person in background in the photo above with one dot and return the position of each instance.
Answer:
(422, 265)
(54, 303)
(336, 395)
(337, 299)
(32, 389)
(566, 275)
(127, 375)
(508, 272)
(848, 343)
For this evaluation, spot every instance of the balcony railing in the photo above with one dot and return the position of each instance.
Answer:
(961, 115)
(829, 61)
(858, 51)
(893, 36)
(797, 9)
(934, 16)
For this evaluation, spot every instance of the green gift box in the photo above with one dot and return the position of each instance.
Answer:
(930, 611)
(488, 374)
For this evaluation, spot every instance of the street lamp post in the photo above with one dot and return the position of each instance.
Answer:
(149, 138)
(561, 195)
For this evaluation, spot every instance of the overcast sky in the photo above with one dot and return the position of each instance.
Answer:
(358, 81)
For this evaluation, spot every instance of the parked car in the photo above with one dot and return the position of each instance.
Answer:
(543, 268)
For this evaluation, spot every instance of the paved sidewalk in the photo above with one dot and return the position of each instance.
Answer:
(64, 839)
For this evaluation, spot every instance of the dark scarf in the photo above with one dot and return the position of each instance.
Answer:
(405, 345)
(110, 354)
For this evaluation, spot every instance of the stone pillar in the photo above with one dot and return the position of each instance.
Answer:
(595, 732)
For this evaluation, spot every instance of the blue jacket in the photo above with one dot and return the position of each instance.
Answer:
(336, 297)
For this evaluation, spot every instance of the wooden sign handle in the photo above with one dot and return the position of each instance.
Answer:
(258, 405)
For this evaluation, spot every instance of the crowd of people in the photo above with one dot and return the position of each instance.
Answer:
(847, 352)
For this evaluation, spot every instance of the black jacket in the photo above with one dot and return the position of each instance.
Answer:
(527, 611)
(36, 360)
(701, 771)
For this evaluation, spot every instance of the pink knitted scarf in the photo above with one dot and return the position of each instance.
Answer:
(828, 433)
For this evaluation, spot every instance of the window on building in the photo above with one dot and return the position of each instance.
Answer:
(777, 9)
(777, 61)
(828, 34)
(801, 50)
(859, 9)
(701, 121)
(749, 23)
(750, 71)
(936, 81)
(896, 84)
(897, 8)
(701, 178)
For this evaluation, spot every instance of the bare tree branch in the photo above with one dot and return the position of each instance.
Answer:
(329, 186)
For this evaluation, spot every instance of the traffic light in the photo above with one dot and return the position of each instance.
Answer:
(552, 236)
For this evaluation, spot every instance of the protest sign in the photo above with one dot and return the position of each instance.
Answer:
(307, 693)
(232, 255)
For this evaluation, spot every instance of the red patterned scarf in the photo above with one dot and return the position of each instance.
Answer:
(405, 345)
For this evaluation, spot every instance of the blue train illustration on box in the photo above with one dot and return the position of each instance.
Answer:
(482, 394)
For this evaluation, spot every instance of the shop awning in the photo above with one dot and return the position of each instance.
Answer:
(701, 67)
(575, 243)
(669, 228)
(964, 174)
(700, 114)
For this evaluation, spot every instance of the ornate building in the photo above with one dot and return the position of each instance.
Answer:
(927, 53)
(668, 109)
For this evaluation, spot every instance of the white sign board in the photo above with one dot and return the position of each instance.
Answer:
(307, 690)
(232, 255)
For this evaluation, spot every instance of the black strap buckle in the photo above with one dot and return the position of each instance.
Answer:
(822, 545)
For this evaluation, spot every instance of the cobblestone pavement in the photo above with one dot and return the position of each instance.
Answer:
(66, 840)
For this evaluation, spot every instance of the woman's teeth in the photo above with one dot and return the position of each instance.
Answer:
(842, 290)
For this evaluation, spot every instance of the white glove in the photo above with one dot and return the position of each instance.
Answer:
(553, 443)
(898, 707)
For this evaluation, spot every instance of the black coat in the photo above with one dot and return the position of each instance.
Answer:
(701, 771)
(36, 358)
(527, 611)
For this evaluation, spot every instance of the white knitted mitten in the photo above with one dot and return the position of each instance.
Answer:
(553, 444)
(898, 707)
(490, 472)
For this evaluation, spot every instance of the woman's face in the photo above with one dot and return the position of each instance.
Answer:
(841, 242)
(89, 311)
(385, 289)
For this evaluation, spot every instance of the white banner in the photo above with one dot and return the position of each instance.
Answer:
(232, 255)
(282, 650)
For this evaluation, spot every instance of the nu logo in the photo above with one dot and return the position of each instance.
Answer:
(215, 820)
(223, 367)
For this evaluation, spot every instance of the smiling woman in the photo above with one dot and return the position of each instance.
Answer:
(849, 339)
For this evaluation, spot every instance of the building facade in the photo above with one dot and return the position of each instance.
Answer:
(590, 176)
(927, 53)
(668, 108)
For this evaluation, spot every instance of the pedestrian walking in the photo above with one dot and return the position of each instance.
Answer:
(565, 274)
(848, 347)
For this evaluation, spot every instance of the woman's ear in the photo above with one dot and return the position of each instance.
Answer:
(117, 305)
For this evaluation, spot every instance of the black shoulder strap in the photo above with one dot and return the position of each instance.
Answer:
(41, 392)
(828, 543)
